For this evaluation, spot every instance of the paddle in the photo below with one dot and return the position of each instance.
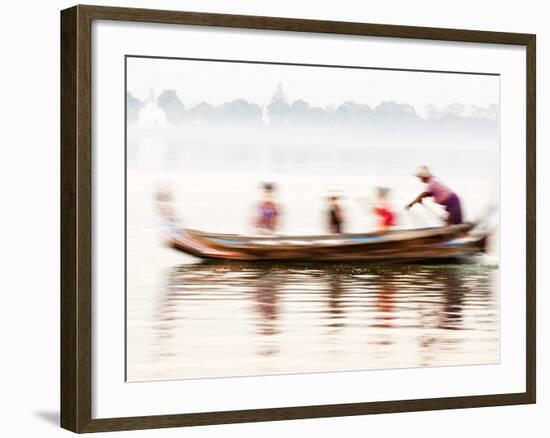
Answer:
(433, 213)
(430, 211)
(416, 222)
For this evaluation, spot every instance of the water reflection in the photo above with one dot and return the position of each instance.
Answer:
(228, 319)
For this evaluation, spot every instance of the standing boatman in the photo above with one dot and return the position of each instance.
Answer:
(441, 194)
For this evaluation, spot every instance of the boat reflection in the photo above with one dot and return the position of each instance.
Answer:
(228, 319)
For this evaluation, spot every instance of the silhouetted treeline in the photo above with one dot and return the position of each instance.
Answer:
(299, 113)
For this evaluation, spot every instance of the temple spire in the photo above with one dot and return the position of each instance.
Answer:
(279, 94)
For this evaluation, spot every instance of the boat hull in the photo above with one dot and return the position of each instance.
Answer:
(397, 246)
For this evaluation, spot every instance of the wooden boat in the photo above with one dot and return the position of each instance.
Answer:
(421, 244)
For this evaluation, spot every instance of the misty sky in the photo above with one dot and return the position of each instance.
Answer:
(220, 82)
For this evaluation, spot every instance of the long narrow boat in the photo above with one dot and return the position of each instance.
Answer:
(391, 246)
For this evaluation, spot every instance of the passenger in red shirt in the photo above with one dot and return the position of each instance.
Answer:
(383, 210)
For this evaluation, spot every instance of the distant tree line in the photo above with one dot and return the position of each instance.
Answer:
(300, 113)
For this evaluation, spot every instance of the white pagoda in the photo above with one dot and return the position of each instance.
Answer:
(151, 115)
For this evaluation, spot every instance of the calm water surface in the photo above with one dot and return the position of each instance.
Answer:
(231, 319)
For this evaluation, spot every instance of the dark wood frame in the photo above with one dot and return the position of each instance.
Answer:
(76, 218)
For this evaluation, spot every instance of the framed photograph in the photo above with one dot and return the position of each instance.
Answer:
(270, 218)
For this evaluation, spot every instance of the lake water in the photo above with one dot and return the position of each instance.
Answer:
(190, 319)
(233, 319)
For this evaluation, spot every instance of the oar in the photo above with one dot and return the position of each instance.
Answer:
(415, 219)
(433, 213)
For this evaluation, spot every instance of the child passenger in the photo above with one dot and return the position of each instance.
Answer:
(268, 211)
(382, 209)
(335, 215)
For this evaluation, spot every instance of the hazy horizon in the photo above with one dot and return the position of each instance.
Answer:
(219, 82)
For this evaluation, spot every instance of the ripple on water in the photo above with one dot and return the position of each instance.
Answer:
(229, 319)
